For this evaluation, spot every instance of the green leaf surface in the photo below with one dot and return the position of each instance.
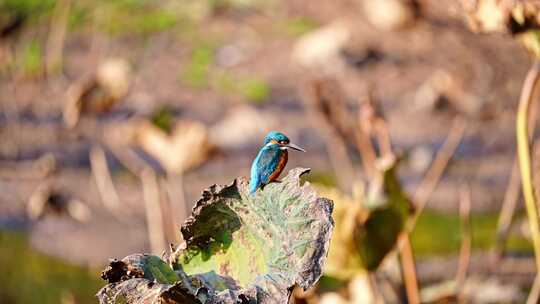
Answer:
(239, 248)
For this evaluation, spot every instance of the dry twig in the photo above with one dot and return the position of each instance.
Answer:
(152, 204)
(174, 184)
(103, 179)
(534, 294)
(409, 269)
(434, 173)
(466, 238)
(373, 124)
(57, 36)
(324, 98)
(362, 134)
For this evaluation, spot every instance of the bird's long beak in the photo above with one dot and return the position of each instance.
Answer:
(295, 147)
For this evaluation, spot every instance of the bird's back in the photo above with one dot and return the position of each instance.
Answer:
(267, 167)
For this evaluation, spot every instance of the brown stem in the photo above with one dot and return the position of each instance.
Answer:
(466, 238)
(365, 147)
(534, 294)
(177, 202)
(366, 150)
(57, 36)
(154, 220)
(434, 173)
(508, 207)
(383, 137)
(409, 269)
(128, 158)
(341, 163)
(103, 179)
(374, 289)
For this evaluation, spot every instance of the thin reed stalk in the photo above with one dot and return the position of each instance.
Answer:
(435, 172)
(409, 269)
(523, 147)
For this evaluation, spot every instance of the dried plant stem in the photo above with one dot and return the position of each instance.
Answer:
(511, 196)
(371, 123)
(383, 137)
(409, 269)
(534, 294)
(508, 207)
(466, 238)
(434, 173)
(103, 179)
(365, 148)
(337, 152)
(325, 99)
(128, 158)
(168, 214)
(367, 152)
(152, 205)
(522, 134)
(174, 184)
(136, 166)
(374, 289)
(57, 36)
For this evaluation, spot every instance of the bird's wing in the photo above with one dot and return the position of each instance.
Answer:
(263, 167)
(268, 164)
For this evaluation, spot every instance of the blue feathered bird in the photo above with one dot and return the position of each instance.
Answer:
(271, 160)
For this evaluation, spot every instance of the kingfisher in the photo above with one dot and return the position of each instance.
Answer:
(271, 160)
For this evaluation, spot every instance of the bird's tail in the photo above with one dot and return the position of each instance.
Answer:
(252, 187)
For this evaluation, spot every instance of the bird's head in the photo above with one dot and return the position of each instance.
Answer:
(276, 139)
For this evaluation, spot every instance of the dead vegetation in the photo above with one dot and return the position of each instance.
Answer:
(114, 115)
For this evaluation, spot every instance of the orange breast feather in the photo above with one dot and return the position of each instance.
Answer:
(279, 167)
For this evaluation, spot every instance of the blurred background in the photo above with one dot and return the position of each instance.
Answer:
(116, 114)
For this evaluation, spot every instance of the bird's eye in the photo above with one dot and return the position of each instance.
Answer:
(282, 142)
